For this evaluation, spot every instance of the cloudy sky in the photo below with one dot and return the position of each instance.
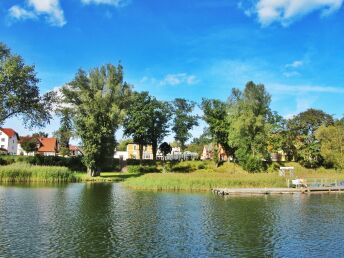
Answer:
(190, 49)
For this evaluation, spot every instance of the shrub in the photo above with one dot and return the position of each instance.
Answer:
(142, 169)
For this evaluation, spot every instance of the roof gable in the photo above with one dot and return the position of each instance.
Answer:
(9, 132)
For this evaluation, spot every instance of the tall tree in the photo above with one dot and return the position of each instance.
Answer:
(215, 114)
(65, 132)
(147, 121)
(249, 125)
(183, 120)
(158, 123)
(332, 143)
(19, 93)
(99, 99)
(301, 129)
(137, 120)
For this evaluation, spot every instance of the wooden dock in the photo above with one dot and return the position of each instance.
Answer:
(254, 191)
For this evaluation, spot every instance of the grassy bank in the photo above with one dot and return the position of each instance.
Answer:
(22, 172)
(228, 175)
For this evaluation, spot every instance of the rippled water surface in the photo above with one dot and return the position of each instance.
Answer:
(107, 220)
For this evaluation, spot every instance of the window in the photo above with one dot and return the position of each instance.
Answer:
(2, 146)
(134, 146)
(2, 139)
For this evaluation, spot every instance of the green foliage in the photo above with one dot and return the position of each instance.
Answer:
(249, 125)
(302, 133)
(122, 145)
(30, 145)
(99, 100)
(134, 169)
(147, 121)
(183, 120)
(19, 92)
(65, 132)
(165, 148)
(215, 115)
(332, 143)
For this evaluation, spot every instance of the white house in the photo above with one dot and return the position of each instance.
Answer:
(121, 155)
(9, 140)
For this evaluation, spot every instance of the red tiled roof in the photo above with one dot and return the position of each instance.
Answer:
(8, 131)
(48, 145)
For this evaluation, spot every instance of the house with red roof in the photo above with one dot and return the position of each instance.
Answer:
(8, 140)
(45, 146)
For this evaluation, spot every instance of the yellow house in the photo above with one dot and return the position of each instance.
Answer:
(134, 153)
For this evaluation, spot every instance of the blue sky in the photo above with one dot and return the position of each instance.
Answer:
(190, 49)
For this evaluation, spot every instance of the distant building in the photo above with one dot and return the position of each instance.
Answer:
(121, 155)
(74, 151)
(134, 153)
(48, 147)
(9, 141)
(45, 146)
(208, 152)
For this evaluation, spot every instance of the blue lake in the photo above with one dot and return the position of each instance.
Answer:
(108, 220)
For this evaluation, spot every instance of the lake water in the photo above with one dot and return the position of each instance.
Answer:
(108, 220)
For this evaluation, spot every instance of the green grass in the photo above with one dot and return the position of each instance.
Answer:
(226, 176)
(22, 172)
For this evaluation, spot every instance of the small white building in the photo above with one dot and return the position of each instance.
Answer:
(121, 155)
(9, 140)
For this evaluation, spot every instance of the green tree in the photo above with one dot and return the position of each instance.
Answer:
(158, 123)
(183, 120)
(19, 93)
(147, 121)
(99, 99)
(302, 129)
(65, 132)
(332, 143)
(215, 114)
(249, 126)
(197, 144)
(136, 120)
(165, 149)
(40, 134)
(30, 145)
(122, 145)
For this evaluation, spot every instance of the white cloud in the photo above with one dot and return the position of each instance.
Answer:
(20, 13)
(49, 9)
(287, 11)
(180, 78)
(295, 64)
(106, 2)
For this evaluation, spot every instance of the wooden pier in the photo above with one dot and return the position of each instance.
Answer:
(254, 191)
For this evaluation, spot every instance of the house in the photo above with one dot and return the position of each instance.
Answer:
(74, 151)
(9, 140)
(48, 147)
(22, 139)
(208, 152)
(45, 146)
(134, 153)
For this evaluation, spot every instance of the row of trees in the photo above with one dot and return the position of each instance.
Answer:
(250, 131)
(100, 102)
(94, 105)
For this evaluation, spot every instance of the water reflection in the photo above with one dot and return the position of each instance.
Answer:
(78, 220)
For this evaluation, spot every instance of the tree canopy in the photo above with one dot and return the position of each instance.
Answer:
(99, 99)
(19, 92)
(183, 120)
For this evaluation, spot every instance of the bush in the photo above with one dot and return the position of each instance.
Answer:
(142, 169)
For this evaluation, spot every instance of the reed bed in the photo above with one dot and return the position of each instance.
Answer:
(22, 172)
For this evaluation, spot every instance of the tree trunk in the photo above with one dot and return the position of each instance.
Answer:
(141, 152)
(93, 172)
(154, 149)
